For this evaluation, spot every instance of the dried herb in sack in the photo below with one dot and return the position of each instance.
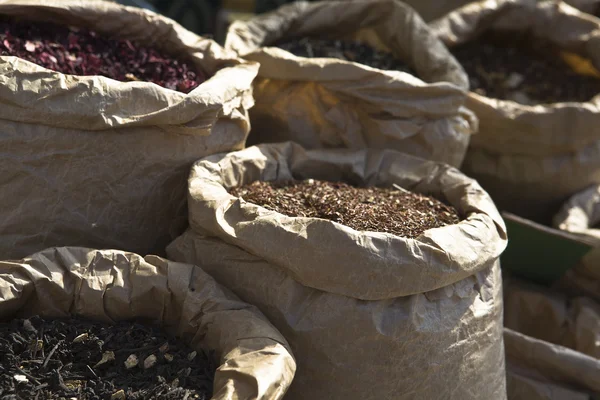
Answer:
(519, 67)
(345, 50)
(77, 51)
(395, 211)
(63, 359)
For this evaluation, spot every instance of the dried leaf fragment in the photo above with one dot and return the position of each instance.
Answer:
(80, 338)
(120, 395)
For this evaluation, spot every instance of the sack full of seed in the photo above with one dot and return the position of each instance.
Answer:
(534, 75)
(355, 74)
(380, 269)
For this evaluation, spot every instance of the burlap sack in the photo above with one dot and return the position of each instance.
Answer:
(579, 215)
(552, 316)
(93, 162)
(538, 370)
(112, 286)
(368, 315)
(531, 158)
(324, 102)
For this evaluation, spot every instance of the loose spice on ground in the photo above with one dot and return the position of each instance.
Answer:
(77, 51)
(345, 50)
(524, 69)
(64, 359)
(394, 211)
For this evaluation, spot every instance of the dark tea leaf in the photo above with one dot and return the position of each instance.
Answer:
(345, 50)
(522, 68)
(63, 359)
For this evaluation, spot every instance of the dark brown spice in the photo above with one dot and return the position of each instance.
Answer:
(54, 359)
(77, 51)
(522, 68)
(345, 50)
(394, 211)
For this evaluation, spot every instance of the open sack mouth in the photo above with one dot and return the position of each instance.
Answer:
(79, 51)
(529, 70)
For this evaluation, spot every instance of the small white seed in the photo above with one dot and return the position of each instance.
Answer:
(150, 361)
(131, 361)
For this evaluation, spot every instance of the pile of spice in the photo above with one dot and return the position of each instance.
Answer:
(524, 69)
(64, 359)
(395, 211)
(345, 50)
(77, 51)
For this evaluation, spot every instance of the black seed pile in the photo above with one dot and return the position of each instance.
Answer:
(345, 50)
(65, 359)
(524, 69)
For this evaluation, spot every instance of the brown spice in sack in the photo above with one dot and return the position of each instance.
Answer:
(519, 67)
(53, 359)
(395, 211)
(345, 50)
(77, 51)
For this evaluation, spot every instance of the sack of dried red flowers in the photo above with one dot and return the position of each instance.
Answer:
(368, 314)
(110, 286)
(534, 78)
(381, 79)
(93, 155)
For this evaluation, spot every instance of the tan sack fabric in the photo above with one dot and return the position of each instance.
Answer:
(90, 161)
(368, 315)
(432, 9)
(548, 315)
(531, 158)
(113, 285)
(580, 215)
(588, 6)
(538, 370)
(325, 102)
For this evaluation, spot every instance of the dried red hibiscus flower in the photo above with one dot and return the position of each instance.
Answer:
(77, 51)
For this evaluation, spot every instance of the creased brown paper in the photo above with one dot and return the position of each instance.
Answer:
(368, 315)
(538, 370)
(587, 6)
(552, 316)
(111, 285)
(324, 102)
(580, 215)
(93, 162)
(531, 158)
